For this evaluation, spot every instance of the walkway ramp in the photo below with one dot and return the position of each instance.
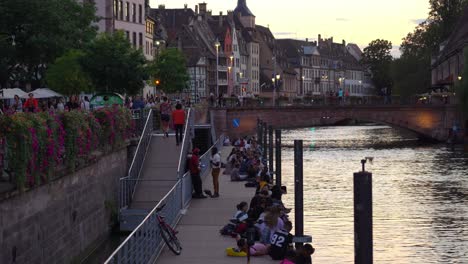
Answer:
(159, 173)
(158, 176)
(199, 227)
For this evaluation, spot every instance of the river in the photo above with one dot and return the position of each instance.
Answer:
(420, 194)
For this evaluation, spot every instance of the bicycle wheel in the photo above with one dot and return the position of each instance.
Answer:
(171, 240)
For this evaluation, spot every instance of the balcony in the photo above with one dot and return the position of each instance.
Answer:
(223, 82)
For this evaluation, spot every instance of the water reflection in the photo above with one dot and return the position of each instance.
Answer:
(420, 194)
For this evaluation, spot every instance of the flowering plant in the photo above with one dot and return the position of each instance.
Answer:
(38, 143)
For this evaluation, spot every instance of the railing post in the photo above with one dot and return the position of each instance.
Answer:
(270, 148)
(298, 189)
(265, 136)
(278, 157)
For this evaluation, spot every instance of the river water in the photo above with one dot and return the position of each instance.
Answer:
(420, 194)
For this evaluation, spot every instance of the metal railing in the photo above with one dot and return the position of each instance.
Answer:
(144, 244)
(128, 184)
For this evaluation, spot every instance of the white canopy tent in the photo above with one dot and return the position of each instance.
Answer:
(44, 93)
(11, 92)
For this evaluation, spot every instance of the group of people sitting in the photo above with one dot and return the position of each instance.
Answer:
(261, 227)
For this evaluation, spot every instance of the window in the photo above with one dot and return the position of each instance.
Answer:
(141, 40)
(140, 13)
(116, 9)
(134, 39)
(134, 13)
(120, 10)
(127, 11)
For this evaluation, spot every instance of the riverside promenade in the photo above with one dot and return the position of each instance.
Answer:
(199, 227)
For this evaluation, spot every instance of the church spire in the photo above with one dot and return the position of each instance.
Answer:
(242, 8)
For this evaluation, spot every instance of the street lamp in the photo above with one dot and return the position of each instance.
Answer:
(460, 78)
(217, 45)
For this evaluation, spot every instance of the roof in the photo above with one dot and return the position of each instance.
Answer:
(457, 40)
(242, 9)
(173, 20)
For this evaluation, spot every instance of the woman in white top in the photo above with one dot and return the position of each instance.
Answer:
(215, 170)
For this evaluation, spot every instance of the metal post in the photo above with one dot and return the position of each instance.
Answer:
(217, 73)
(270, 148)
(260, 132)
(298, 189)
(265, 137)
(278, 157)
(363, 217)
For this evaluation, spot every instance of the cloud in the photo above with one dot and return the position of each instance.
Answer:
(343, 19)
(417, 21)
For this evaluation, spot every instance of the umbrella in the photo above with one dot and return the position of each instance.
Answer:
(44, 93)
(10, 93)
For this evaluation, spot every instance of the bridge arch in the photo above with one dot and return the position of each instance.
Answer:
(429, 121)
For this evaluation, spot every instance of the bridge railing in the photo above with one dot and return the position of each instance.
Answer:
(144, 244)
(233, 102)
(129, 183)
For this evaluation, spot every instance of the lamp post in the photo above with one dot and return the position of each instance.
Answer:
(217, 45)
(274, 80)
(302, 85)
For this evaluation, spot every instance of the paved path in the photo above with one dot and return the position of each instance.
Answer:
(159, 172)
(199, 228)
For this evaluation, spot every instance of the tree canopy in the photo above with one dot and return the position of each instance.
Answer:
(42, 31)
(378, 59)
(66, 75)
(114, 66)
(170, 69)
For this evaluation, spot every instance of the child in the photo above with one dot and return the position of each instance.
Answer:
(289, 258)
(241, 214)
(257, 249)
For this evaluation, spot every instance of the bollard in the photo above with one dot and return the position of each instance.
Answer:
(298, 190)
(265, 137)
(270, 149)
(363, 248)
(278, 157)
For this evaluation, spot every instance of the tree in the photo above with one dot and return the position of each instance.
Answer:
(114, 65)
(170, 70)
(66, 75)
(43, 31)
(377, 58)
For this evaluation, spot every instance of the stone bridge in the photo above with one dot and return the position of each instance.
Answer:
(428, 121)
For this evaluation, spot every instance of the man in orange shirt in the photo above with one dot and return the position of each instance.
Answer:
(178, 117)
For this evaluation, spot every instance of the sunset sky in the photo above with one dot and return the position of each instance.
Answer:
(358, 21)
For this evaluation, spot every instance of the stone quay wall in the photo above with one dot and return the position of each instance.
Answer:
(62, 220)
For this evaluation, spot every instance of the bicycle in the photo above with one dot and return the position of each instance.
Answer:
(168, 233)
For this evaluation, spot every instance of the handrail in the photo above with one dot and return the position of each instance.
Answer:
(184, 150)
(134, 171)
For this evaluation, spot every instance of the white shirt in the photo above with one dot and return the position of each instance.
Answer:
(216, 159)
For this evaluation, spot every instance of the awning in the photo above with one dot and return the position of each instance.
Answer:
(10, 93)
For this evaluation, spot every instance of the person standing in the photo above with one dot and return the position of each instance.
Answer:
(85, 105)
(31, 104)
(340, 96)
(60, 105)
(215, 170)
(194, 167)
(73, 104)
(17, 105)
(165, 109)
(178, 117)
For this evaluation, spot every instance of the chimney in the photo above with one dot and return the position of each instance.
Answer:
(319, 38)
(202, 8)
(221, 19)
(162, 7)
(185, 7)
(307, 39)
(196, 9)
(344, 42)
